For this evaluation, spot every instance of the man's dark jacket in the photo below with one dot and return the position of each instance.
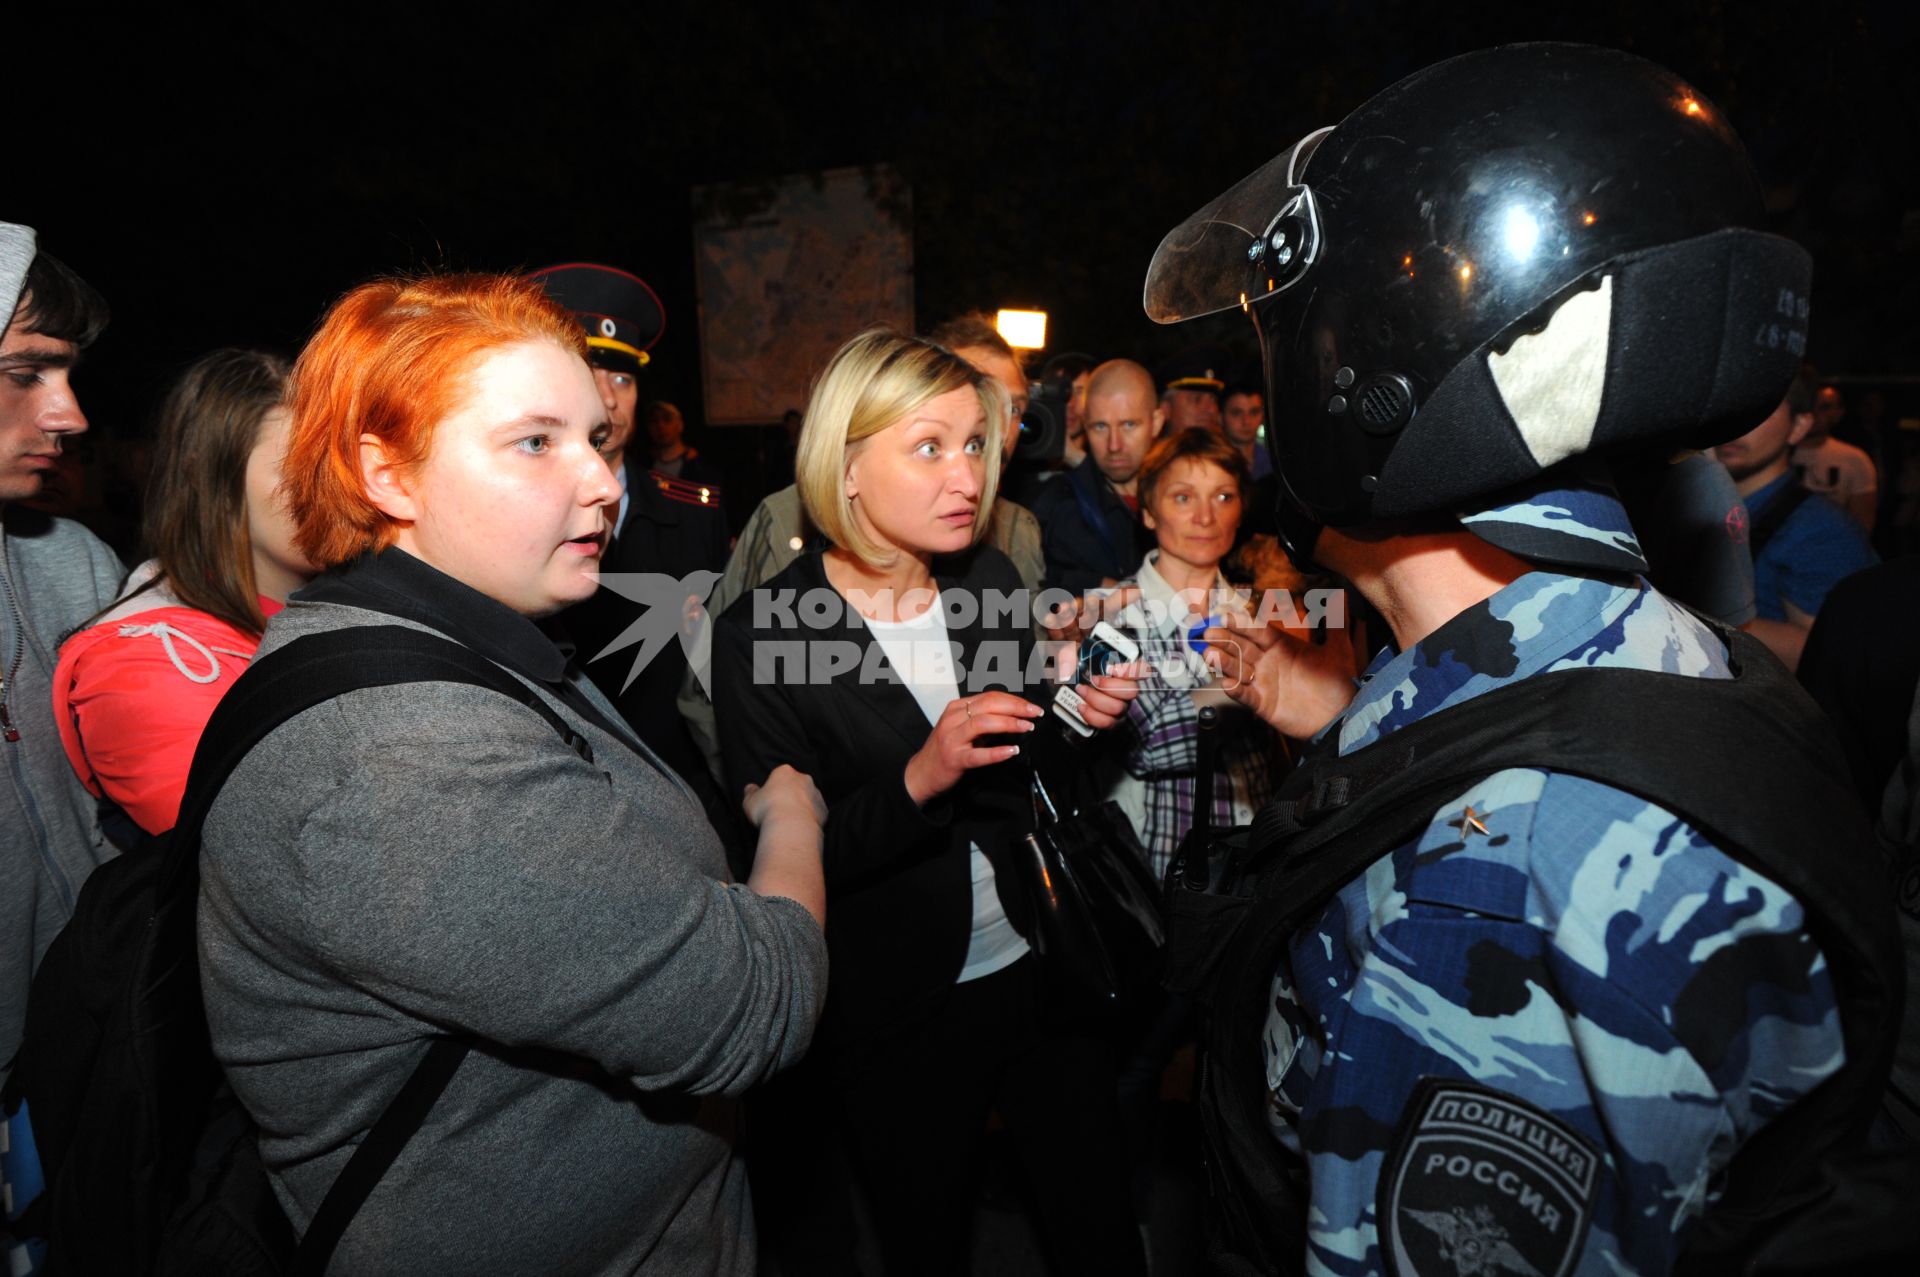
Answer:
(1087, 531)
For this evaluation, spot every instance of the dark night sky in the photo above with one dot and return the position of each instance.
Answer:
(222, 171)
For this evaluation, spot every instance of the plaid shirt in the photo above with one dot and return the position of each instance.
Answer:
(1157, 787)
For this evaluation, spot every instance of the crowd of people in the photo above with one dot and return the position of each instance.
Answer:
(756, 901)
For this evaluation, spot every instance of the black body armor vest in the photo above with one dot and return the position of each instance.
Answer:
(1749, 762)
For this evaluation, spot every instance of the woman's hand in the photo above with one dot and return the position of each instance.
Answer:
(1071, 622)
(789, 812)
(786, 795)
(951, 751)
(1296, 685)
(1103, 697)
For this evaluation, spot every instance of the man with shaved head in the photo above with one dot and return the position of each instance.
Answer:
(1090, 518)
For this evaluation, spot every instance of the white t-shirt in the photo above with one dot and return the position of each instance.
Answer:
(1835, 469)
(922, 656)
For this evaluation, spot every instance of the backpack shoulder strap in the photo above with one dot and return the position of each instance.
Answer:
(1775, 518)
(321, 667)
(308, 672)
(375, 1156)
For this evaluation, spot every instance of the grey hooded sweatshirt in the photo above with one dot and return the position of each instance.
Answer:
(54, 574)
(431, 858)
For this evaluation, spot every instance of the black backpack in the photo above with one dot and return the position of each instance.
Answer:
(151, 1165)
(1806, 1191)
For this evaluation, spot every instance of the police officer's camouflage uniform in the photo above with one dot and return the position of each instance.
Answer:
(1588, 953)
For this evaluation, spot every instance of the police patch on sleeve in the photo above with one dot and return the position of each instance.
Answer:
(1478, 1183)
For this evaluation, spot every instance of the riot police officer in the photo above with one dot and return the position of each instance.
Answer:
(1530, 969)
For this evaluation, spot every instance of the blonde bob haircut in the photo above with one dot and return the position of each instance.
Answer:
(874, 380)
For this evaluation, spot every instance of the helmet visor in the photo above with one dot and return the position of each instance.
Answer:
(1256, 239)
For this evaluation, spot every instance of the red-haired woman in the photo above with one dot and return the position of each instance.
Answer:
(431, 859)
(134, 689)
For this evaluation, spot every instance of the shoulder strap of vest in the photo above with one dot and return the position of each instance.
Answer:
(305, 673)
(1748, 761)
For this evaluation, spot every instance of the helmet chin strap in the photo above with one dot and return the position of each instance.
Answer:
(1299, 531)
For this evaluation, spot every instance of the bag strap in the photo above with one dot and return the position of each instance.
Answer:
(308, 672)
(321, 667)
(1206, 748)
(375, 1156)
(1774, 517)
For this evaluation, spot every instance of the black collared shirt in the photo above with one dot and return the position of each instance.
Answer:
(395, 583)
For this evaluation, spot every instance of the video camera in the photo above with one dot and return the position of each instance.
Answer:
(1043, 427)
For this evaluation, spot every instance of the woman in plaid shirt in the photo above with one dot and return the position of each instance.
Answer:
(1192, 486)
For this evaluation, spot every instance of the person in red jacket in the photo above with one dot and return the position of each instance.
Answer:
(135, 686)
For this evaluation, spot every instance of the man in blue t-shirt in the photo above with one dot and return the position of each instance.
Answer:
(1801, 548)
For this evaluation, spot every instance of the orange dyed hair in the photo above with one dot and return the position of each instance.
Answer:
(391, 360)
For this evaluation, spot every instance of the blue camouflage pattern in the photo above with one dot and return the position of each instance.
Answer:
(1571, 515)
(1575, 955)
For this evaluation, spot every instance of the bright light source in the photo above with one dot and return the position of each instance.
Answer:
(1023, 329)
(1522, 233)
(1466, 273)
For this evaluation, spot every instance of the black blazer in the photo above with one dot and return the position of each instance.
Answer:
(899, 886)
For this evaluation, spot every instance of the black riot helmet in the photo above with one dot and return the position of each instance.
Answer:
(1509, 259)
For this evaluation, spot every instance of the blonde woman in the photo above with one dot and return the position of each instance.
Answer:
(908, 706)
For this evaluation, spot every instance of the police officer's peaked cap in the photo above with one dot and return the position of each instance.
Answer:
(1201, 368)
(621, 313)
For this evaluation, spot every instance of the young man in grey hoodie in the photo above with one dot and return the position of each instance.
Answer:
(54, 574)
